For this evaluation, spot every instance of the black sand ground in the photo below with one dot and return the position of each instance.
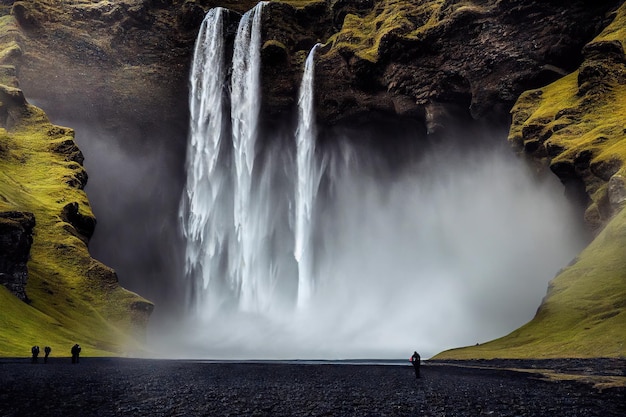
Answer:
(132, 387)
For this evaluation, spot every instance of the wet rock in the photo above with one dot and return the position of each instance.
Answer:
(12, 105)
(16, 238)
(191, 15)
(69, 149)
(604, 50)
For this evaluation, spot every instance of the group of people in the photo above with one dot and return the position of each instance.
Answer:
(35, 353)
(47, 350)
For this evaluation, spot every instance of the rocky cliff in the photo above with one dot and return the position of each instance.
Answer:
(122, 66)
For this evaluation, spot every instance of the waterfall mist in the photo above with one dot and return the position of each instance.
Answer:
(455, 250)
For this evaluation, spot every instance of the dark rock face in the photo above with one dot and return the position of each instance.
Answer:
(16, 238)
(480, 58)
(477, 58)
(12, 103)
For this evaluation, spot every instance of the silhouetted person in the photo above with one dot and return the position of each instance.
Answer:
(75, 353)
(47, 351)
(35, 352)
(415, 360)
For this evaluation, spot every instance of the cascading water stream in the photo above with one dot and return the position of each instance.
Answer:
(308, 179)
(204, 227)
(248, 273)
(226, 209)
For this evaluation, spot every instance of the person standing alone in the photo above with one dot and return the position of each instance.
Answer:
(415, 360)
(75, 353)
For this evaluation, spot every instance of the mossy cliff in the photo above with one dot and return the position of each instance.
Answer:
(123, 66)
(63, 295)
(576, 127)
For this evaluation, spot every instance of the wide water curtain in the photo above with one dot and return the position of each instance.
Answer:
(308, 179)
(226, 207)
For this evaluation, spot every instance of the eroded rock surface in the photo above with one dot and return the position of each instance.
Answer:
(16, 238)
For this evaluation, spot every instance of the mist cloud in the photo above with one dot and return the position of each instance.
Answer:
(456, 250)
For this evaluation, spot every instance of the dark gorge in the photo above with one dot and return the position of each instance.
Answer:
(423, 210)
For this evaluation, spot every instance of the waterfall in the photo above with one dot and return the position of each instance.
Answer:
(226, 207)
(249, 270)
(205, 227)
(308, 180)
(377, 257)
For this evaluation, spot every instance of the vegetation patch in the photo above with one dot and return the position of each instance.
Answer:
(398, 20)
(362, 35)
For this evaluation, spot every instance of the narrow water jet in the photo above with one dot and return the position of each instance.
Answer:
(308, 181)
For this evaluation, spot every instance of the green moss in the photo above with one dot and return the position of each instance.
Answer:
(574, 119)
(362, 35)
(273, 43)
(70, 302)
(401, 19)
(11, 51)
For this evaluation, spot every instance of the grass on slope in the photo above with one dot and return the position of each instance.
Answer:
(584, 312)
(75, 299)
(583, 315)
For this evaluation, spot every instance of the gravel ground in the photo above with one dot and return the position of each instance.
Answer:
(136, 387)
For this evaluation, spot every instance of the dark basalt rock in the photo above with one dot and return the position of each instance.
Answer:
(16, 238)
(69, 150)
(605, 169)
(84, 225)
(480, 58)
(12, 104)
(191, 15)
(604, 50)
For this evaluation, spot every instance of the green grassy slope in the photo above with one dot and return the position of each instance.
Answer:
(578, 121)
(74, 298)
